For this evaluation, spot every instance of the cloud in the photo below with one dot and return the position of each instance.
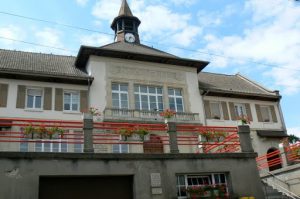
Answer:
(49, 37)
(294, 131)
(96, 39)
(10, 32)
(272, 37)
(106, 10)
(183, 2)
(82, 2)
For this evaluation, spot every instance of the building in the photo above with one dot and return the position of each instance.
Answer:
(133, 83)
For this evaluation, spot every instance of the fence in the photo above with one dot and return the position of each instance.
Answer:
(67, 136)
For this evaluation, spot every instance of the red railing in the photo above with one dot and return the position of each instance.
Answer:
(293, 153)
(106, 133)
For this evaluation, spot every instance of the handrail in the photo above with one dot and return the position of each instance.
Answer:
(283, 190)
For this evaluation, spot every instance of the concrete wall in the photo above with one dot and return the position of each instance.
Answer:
(19, 172)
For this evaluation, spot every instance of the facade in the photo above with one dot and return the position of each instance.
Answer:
(133, 83)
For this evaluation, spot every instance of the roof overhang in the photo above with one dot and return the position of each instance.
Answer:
(240, 95)
(271, 134)
(113, 24)
(85, 52)
(11, 74)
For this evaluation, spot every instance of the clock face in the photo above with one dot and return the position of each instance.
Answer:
(129, 37)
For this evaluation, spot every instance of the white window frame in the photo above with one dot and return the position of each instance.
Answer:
(120, 148)
(34, 98)
(220, 109)
(56, 141)
(212, 176)
(240, 106)
(269, 113)
(176, 97)
(119, 92)
(78, 138)
(25, 143)
(148, 94)
(71, 92)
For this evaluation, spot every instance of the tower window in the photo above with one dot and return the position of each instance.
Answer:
(120, 25)
(129, 25)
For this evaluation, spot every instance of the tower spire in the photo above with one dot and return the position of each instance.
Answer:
(125, 10)
(126, 25)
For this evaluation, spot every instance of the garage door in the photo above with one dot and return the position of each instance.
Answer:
(104, 187)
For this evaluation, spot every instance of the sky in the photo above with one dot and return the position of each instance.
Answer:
(257, 38)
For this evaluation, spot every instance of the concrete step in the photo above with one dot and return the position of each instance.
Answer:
(271, 193)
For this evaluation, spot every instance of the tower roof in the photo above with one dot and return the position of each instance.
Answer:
(125, 10)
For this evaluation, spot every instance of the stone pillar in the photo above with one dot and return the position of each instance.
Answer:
(173, 137)
(283, 155)
(88, 133)
(245, 139)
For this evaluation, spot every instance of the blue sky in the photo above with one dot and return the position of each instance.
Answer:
(259, 39)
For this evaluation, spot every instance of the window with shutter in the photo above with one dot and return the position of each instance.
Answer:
(34, 98)
(3, 95)
(216, 110)
(266, 113)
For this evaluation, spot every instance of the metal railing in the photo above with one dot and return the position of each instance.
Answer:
(67, 136)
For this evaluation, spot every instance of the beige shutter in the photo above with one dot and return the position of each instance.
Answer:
(248, 111)
(83, 100)
(232, 111)
(3, 95)
(58, 99)
(21, 96)
(207, 109)
(47, 98)
(273, 113)
(258, 113)
(225, 111)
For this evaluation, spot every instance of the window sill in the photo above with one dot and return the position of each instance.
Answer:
(72, 112)
(33, 110)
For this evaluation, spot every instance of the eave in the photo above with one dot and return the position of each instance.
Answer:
(85, 52)
(46, 78)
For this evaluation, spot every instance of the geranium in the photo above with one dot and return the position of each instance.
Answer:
(168, 113)
(126, 131)
(244, 119)
(94, 111)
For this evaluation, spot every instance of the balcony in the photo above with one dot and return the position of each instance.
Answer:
(113, 114)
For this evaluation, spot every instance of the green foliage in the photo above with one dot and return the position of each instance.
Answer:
(293, 139)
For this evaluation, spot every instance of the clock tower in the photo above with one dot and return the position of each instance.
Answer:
(126, 25)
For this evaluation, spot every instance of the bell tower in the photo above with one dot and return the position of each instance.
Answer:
(126, 25)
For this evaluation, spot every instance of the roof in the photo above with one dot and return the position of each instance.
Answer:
(134, 51)
(125, 10)
(40, 65)
(233, 85)
(136, 48)
(273, 134)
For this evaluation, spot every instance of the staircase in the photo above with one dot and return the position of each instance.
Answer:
(271, 193)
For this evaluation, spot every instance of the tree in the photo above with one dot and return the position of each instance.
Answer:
(293, 139)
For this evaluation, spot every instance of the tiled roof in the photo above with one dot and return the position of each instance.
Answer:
(39, 64)
(136, 48)
(231, 84)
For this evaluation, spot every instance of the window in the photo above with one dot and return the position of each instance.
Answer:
(120, 95)
(185, 181)
(78, 147)
(71, 101)
(215, 108)
(50, 146)
(24, 145)
(175, 99)
(240, 110)
(266, 113)
(34, 98)
(148, 97)
(128, 25)
(120, 148)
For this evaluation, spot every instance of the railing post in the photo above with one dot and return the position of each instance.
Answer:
(245, 139)
(88, 133)
(173, 137)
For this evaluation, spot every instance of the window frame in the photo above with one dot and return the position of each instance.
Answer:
(71, 104)
(34, 99)
(176, 97)
(148, 94)
(120, 149)
(119, 92)
(51, 142)
(220, 109)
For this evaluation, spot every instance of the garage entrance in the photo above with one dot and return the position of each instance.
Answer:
(112, 187)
